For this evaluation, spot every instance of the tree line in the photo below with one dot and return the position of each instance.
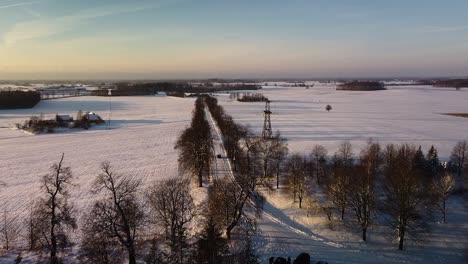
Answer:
(19, 99)
(129, 89)
(396, 185)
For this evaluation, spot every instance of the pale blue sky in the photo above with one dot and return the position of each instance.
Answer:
(231, 39)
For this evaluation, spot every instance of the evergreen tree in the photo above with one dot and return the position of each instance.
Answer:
(433, 162)
(211, 245)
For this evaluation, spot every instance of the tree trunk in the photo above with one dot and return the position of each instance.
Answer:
(277, 176)
(401, 237)
(342, 213)
(131, 255)
(53, 239)
(364, 234)
(200, 177)
(318, 176)
(300, 202)
(228, 231)
(443, 211)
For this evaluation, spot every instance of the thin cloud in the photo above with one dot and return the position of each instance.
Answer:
(45, 27)
(17, 4)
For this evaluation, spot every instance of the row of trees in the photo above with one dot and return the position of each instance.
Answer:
(19, 99)
(129, 89)
(397, 184)
(195, 144)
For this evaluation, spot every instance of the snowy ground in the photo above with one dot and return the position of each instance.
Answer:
(145, 130)
(141, 142)
(401, 114)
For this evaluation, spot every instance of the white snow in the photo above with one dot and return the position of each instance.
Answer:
(144, 131)
(141, 143)
(411, 114)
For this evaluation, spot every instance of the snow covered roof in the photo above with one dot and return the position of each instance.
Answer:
(93, 117)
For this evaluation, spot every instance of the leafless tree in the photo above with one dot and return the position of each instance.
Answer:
(442, 188)
(459, 156)
(52, 213)
(227, 197)
(248, 145)
(406, 202)
(296, 178)
(98, 245)
(119, 214)
(318, 158)
(338, 186)
(8, 229)
(265, 150)
(362, 199)
(279, 156)
(33, 232)
(173, 208)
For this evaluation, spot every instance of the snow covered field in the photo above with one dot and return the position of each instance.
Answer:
(401, 114)
(141, 142)
(145, 130)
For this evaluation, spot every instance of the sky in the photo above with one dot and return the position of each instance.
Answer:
(166, 39)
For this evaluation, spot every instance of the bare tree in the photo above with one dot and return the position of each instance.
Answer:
(98, 245)
(119, 214)
(279, 156)
(8, 229)
(362, 198)
(338, 186)
(442, 188)
(265, 151)
(318, 157)
(173, 209)
(459, 156)
(406, 202)
(227, 197)
(53, 214)
(296, 179)
(33, 232)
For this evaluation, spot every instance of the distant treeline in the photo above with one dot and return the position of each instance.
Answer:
(128, 89)
(455, 83)
(19, 99)
(361, 86)
(255, 97)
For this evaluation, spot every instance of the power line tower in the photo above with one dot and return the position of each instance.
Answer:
(267, 131)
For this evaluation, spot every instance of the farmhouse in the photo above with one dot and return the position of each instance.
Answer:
(93, 118)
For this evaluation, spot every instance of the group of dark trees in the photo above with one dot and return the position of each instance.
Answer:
(176, 87)
(195, 144)
(361, 86)
(454, 83)
(19, 99)
(252, 97)
(397, 184)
